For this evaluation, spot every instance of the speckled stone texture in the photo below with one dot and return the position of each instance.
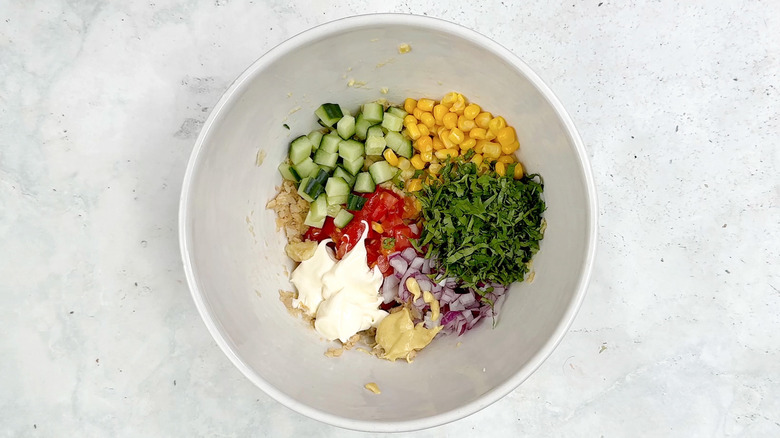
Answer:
(677, 102)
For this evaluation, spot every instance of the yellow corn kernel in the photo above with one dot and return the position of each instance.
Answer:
(424, 131)
(390, 157)
(480, 146)
(449, 99)
(413, 185)
(447, 141)
(437, 143)
(506, 159)
(450, 120)
(465, 124)
(434, 169)
(472, 111)
(510, 148)
(476, 159)
(477, 133)
(496, 124)
(468, 144)
(445, 153)
(404, 163)
(424, 143)
(417, 113)
(426, 104)
(490, 135)
(413, 131)
(500, 168)
(483, 119)
(438, 113)
(410, 120)
(376, 226)
(410, 104)
(426, 156)
(428, 120)
(459, 105)
(492, 151)
(406, 174)
(456, 136)
(518, 171)
(417, 162)
(506, 136)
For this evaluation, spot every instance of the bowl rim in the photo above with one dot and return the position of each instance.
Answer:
(362, 21)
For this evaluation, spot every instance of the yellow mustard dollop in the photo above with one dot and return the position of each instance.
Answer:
(398, 335)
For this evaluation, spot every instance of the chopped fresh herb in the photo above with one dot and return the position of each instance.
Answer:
(286, 126)
(480, 226)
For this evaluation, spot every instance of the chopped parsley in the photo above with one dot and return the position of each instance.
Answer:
(481, 227)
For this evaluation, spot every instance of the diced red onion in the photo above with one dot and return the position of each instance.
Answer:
(399, 264)
(414, 229)
(390, 288)
(417, 263)
(409, 254)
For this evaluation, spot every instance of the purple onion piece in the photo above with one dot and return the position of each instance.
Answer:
(409, 254)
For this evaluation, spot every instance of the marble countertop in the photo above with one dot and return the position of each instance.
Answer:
(677, 102)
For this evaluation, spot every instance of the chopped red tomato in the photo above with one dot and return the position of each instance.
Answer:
(392, 212)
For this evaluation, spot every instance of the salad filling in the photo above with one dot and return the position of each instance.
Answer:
(408, 221)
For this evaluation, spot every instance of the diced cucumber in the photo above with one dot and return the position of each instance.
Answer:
(346, 127)
(307, 167)
(361, 127)
(373, 112)
(288, 172)
(318, 211)
(355, 202)
(375, 145)
(333, 209)
(394, 140)
(405, 149)
(337, 200)
(364, 183)
(346, 176)
(300, 149)
(375, 131)
(302, 189)
(329, 113)
(330, 142)
(321, 176)
(392, 122)
(397, 112)
(337, 187)
(382, 171)
(342, 218)
(325, 158)
(351, 149)
(354, 166)
(315, 137)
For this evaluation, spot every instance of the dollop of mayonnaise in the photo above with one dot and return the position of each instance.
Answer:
(343, 296)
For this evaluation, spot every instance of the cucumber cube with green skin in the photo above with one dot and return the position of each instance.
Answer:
(346, 127)
(354, 166)
(373, 112)
(397, 112)
(375, 145)
(392, 122)
(361, 127)
(329, 113)
(350, 150)
(330, 142)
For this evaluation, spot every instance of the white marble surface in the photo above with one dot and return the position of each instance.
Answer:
(677, 102)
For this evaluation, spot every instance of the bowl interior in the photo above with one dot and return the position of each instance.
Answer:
(235, 259)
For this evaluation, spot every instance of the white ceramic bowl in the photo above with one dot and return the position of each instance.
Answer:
(234, 257)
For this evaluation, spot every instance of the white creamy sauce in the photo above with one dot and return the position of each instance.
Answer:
(343, 296)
